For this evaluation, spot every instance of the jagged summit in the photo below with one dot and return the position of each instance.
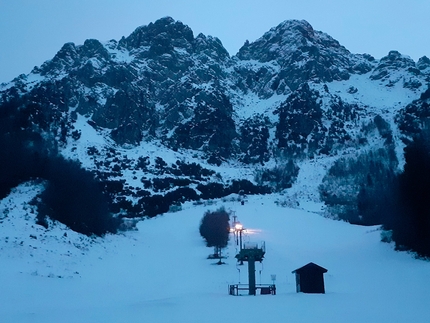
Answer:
(423, 63)
(304, 54)
(289, 37)
(165, 35)
(161, 36)
(395, 67)
(71, 56)
(166, 42)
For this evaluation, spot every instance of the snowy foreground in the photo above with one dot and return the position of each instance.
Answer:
(160, 272)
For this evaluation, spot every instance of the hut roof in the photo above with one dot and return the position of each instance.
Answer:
(310, 267)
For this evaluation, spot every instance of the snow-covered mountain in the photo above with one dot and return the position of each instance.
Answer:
(292, 130)
(163, 116)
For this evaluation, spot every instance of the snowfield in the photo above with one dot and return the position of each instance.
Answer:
(160, 273)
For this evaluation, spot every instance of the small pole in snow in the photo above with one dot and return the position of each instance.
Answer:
(273, 277)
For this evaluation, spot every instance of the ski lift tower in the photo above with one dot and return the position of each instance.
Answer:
(251, 253)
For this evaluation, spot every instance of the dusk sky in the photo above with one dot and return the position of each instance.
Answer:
(32, 31)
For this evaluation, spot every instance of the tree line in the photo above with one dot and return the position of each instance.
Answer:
(72, 195)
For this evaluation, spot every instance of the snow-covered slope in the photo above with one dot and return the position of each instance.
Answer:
(160, 273)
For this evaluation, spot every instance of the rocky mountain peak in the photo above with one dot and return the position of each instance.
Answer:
(161, 36)
(289, 37)
(423, 63)
(66, 57)
(396, 67)
(296, 27)
(71, 56)
(304, 54)
(94, 48)
(211, 46)
(395, 58)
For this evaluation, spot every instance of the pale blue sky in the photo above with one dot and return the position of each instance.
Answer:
(32, 31)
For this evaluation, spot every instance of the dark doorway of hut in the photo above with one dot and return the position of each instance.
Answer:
(310, 279)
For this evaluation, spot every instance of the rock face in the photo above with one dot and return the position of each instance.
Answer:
(303, 54)
(147, 83)
(414, 117)
(162, 82)
(396, 67)
(295, 93)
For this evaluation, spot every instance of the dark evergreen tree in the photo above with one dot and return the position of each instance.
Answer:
(377, 198)
(215, 229)
(410, 221)
(73, 197)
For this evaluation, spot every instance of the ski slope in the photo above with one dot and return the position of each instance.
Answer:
(160, 272)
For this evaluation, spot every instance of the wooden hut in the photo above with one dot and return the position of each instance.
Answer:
(310, 279)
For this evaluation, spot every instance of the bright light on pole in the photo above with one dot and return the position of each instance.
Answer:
(238, 228)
